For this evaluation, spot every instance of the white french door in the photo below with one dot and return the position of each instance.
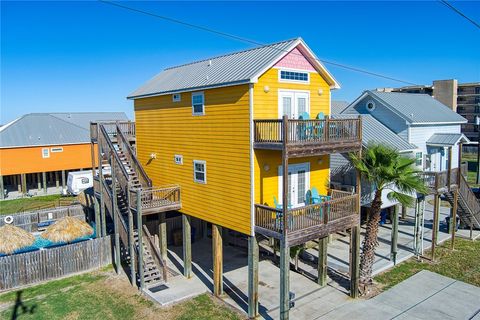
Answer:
(298, 184)
(293, 103)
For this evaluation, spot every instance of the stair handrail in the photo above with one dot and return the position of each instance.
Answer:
(133, 159)
(469, 198)
(157, 257)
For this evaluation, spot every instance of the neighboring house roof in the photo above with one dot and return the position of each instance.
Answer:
(373, 131)
(338, 106)
(42, 129)
(227, 70)
(447, 139)
(415, 108)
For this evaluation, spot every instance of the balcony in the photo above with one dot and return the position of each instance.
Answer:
(309, 222)
(308, 137)
(443, 181)
(127, 128)
(156, 199)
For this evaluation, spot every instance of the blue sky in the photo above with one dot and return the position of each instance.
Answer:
(88, 56)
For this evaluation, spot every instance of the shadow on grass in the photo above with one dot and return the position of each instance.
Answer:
(20, 308)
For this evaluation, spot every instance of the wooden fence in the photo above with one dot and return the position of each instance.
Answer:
(31, 267)
(29, 220)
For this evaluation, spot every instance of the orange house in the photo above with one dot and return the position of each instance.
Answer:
(38, 150)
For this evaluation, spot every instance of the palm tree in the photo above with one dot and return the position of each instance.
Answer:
(384, 169)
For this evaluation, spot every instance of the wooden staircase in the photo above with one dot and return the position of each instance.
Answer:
(126, 192)
(468, 204)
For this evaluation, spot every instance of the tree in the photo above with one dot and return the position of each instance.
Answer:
(385, 170)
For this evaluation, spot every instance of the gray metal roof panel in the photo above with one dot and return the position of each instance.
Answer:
(83, 119)
(373, 131)
(446, 139)
(338, 106)
(41, 129)
(418, 108)
(237, 67)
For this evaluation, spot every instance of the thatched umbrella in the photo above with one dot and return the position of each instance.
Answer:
(13, 238)
(67, 229)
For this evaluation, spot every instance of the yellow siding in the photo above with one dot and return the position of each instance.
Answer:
(221, 137)
(266, 107)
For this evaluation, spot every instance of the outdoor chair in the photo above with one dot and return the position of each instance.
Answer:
(278, 215)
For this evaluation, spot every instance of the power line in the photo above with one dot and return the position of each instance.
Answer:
(246, 40)
(448, 5)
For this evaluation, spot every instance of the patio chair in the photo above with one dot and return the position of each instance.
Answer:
(278, 216)
(319, 126)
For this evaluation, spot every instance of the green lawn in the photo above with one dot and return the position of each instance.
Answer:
(472, 175)
(102, 295)
(33, 203)
(461, 264)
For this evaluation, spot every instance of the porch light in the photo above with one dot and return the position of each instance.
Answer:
(320, 161)
(153, 155)
(266, 89)
(266, 167)
(320, 91)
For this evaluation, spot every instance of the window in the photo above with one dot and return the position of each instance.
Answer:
(294, 76)
(178, 159)
(85, 181)
(370, 105)
(177, 97)
(198, 101)
(199, 171)
(59, 149)
(45, 153)
(418, 159)
(477, 90)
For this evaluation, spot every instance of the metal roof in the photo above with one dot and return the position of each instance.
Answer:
(373, 131)
(447, 139)
(230, 69)
(338, 106)
(42, 129)
(417, 108)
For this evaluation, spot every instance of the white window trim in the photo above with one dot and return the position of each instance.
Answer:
(56, 149)
(293, 81)
(204, 172)
(43, 153)
(179, 97)
(178, 156)
(198, 93)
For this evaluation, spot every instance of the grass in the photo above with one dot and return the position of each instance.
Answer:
(25, 204)
(471, 175)
(460, 264)
(102, 295)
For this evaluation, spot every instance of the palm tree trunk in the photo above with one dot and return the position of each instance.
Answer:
(370, 242)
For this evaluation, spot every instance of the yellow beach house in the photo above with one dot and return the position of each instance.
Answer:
(239, 134)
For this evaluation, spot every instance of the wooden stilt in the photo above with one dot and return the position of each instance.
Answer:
(19, 183)
(131, 248)
(393, 246)
(57, 180)
(253, 256)
(284, 280)
(354, 261)
(115, 214)
(2, 189)
(23, 179)
(404, 212)
(322, 261)
(217, 249)
(63, 181)
(453, 218)
(97, 217)
(436, 211)
(39, 181)
(187, 247)
(162, 235)
(44, 178)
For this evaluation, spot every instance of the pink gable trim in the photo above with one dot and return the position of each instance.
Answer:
(295, 60)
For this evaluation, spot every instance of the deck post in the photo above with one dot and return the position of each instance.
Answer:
(322, 261)
(115, 216)
(449, 170)
(355, 238)
(217, 249)
(436, 211)
(284, 279)
(57, 180)
(97, 217)
(162, 235)
(253, 256)
(39, 181)
(393, 247)
(187, 246)
(131, 243)
(404, 212)
(23, 179)
(140, 239)
(44, 178)
(453, 217)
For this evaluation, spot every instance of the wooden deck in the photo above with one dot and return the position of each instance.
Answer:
(443, 181)
(308, 137)
(311, 221)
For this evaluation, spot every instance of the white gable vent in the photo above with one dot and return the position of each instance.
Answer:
(177, 97)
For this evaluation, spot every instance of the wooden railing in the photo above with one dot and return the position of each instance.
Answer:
(124, 145)
(308, 131)
(152, 247)
(441, 180)
(156, 197)
(126, 127)
(470, 199)
(307, 216)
